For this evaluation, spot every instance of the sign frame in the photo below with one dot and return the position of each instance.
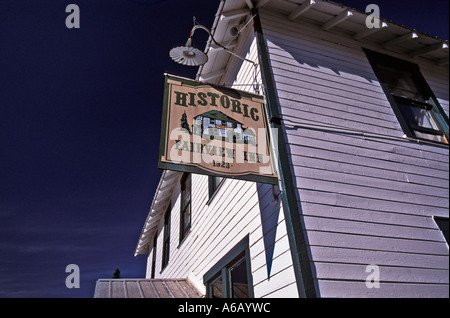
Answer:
(172, 81)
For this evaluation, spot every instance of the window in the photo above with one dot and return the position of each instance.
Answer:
(154, 257)
(417, 109)
(185, 206)
(442, 223)
(231, 276)
(239, 279)
(213, 184)
(166, 242)
(215, 288)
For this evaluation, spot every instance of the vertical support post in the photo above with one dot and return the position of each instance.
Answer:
(297, 242)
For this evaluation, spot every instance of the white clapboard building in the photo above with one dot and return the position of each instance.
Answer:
(362, 205)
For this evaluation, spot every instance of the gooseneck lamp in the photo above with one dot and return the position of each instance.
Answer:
(192, 56)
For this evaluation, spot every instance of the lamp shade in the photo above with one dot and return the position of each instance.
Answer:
(188, 55)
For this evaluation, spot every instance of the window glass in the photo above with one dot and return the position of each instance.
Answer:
(187, 190)
(214, 183)
(417, 115)
(438, 138)
(217, 181)
(154, 257)
(187, 217)
(166, 243)
(239, 282)
(401, 82)
(185, 207)
(217, 288)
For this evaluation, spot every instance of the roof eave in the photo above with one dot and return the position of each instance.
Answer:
(342, 18)
(161, 198)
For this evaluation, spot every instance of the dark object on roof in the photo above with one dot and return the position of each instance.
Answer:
(116, 274)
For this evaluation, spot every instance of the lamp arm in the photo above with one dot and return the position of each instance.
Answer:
(199, 26)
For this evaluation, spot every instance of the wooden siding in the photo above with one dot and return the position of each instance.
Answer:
(239, 208)
(367, 195)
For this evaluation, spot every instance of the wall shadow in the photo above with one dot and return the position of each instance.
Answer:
(269, 208)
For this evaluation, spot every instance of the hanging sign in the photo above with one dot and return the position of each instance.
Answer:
(214, 130)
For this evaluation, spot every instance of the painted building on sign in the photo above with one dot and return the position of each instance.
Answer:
(214, 124)
(359, 129)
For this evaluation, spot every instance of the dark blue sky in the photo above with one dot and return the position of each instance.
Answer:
(80, 113)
